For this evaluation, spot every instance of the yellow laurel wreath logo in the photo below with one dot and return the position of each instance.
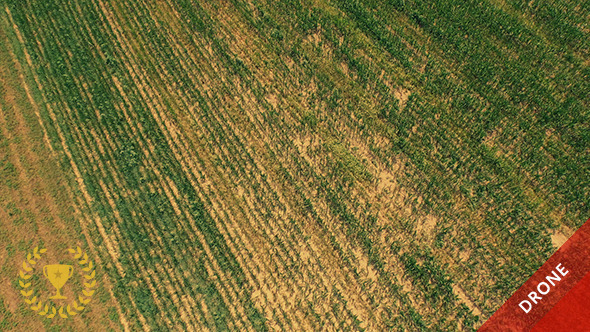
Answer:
(58, 275)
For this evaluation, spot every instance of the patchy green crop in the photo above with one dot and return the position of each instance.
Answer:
(308, 165)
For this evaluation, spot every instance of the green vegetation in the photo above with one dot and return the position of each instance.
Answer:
(343, 165)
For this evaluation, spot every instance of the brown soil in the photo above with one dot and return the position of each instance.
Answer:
(42, 193)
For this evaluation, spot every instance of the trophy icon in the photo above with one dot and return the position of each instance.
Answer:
(58, 275)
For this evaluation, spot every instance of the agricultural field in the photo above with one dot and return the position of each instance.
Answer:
(294, 165)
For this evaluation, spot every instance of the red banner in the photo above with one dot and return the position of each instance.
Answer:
(555, 298)
(571, 313)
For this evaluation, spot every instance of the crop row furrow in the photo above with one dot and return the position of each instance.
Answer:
(87, 200)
